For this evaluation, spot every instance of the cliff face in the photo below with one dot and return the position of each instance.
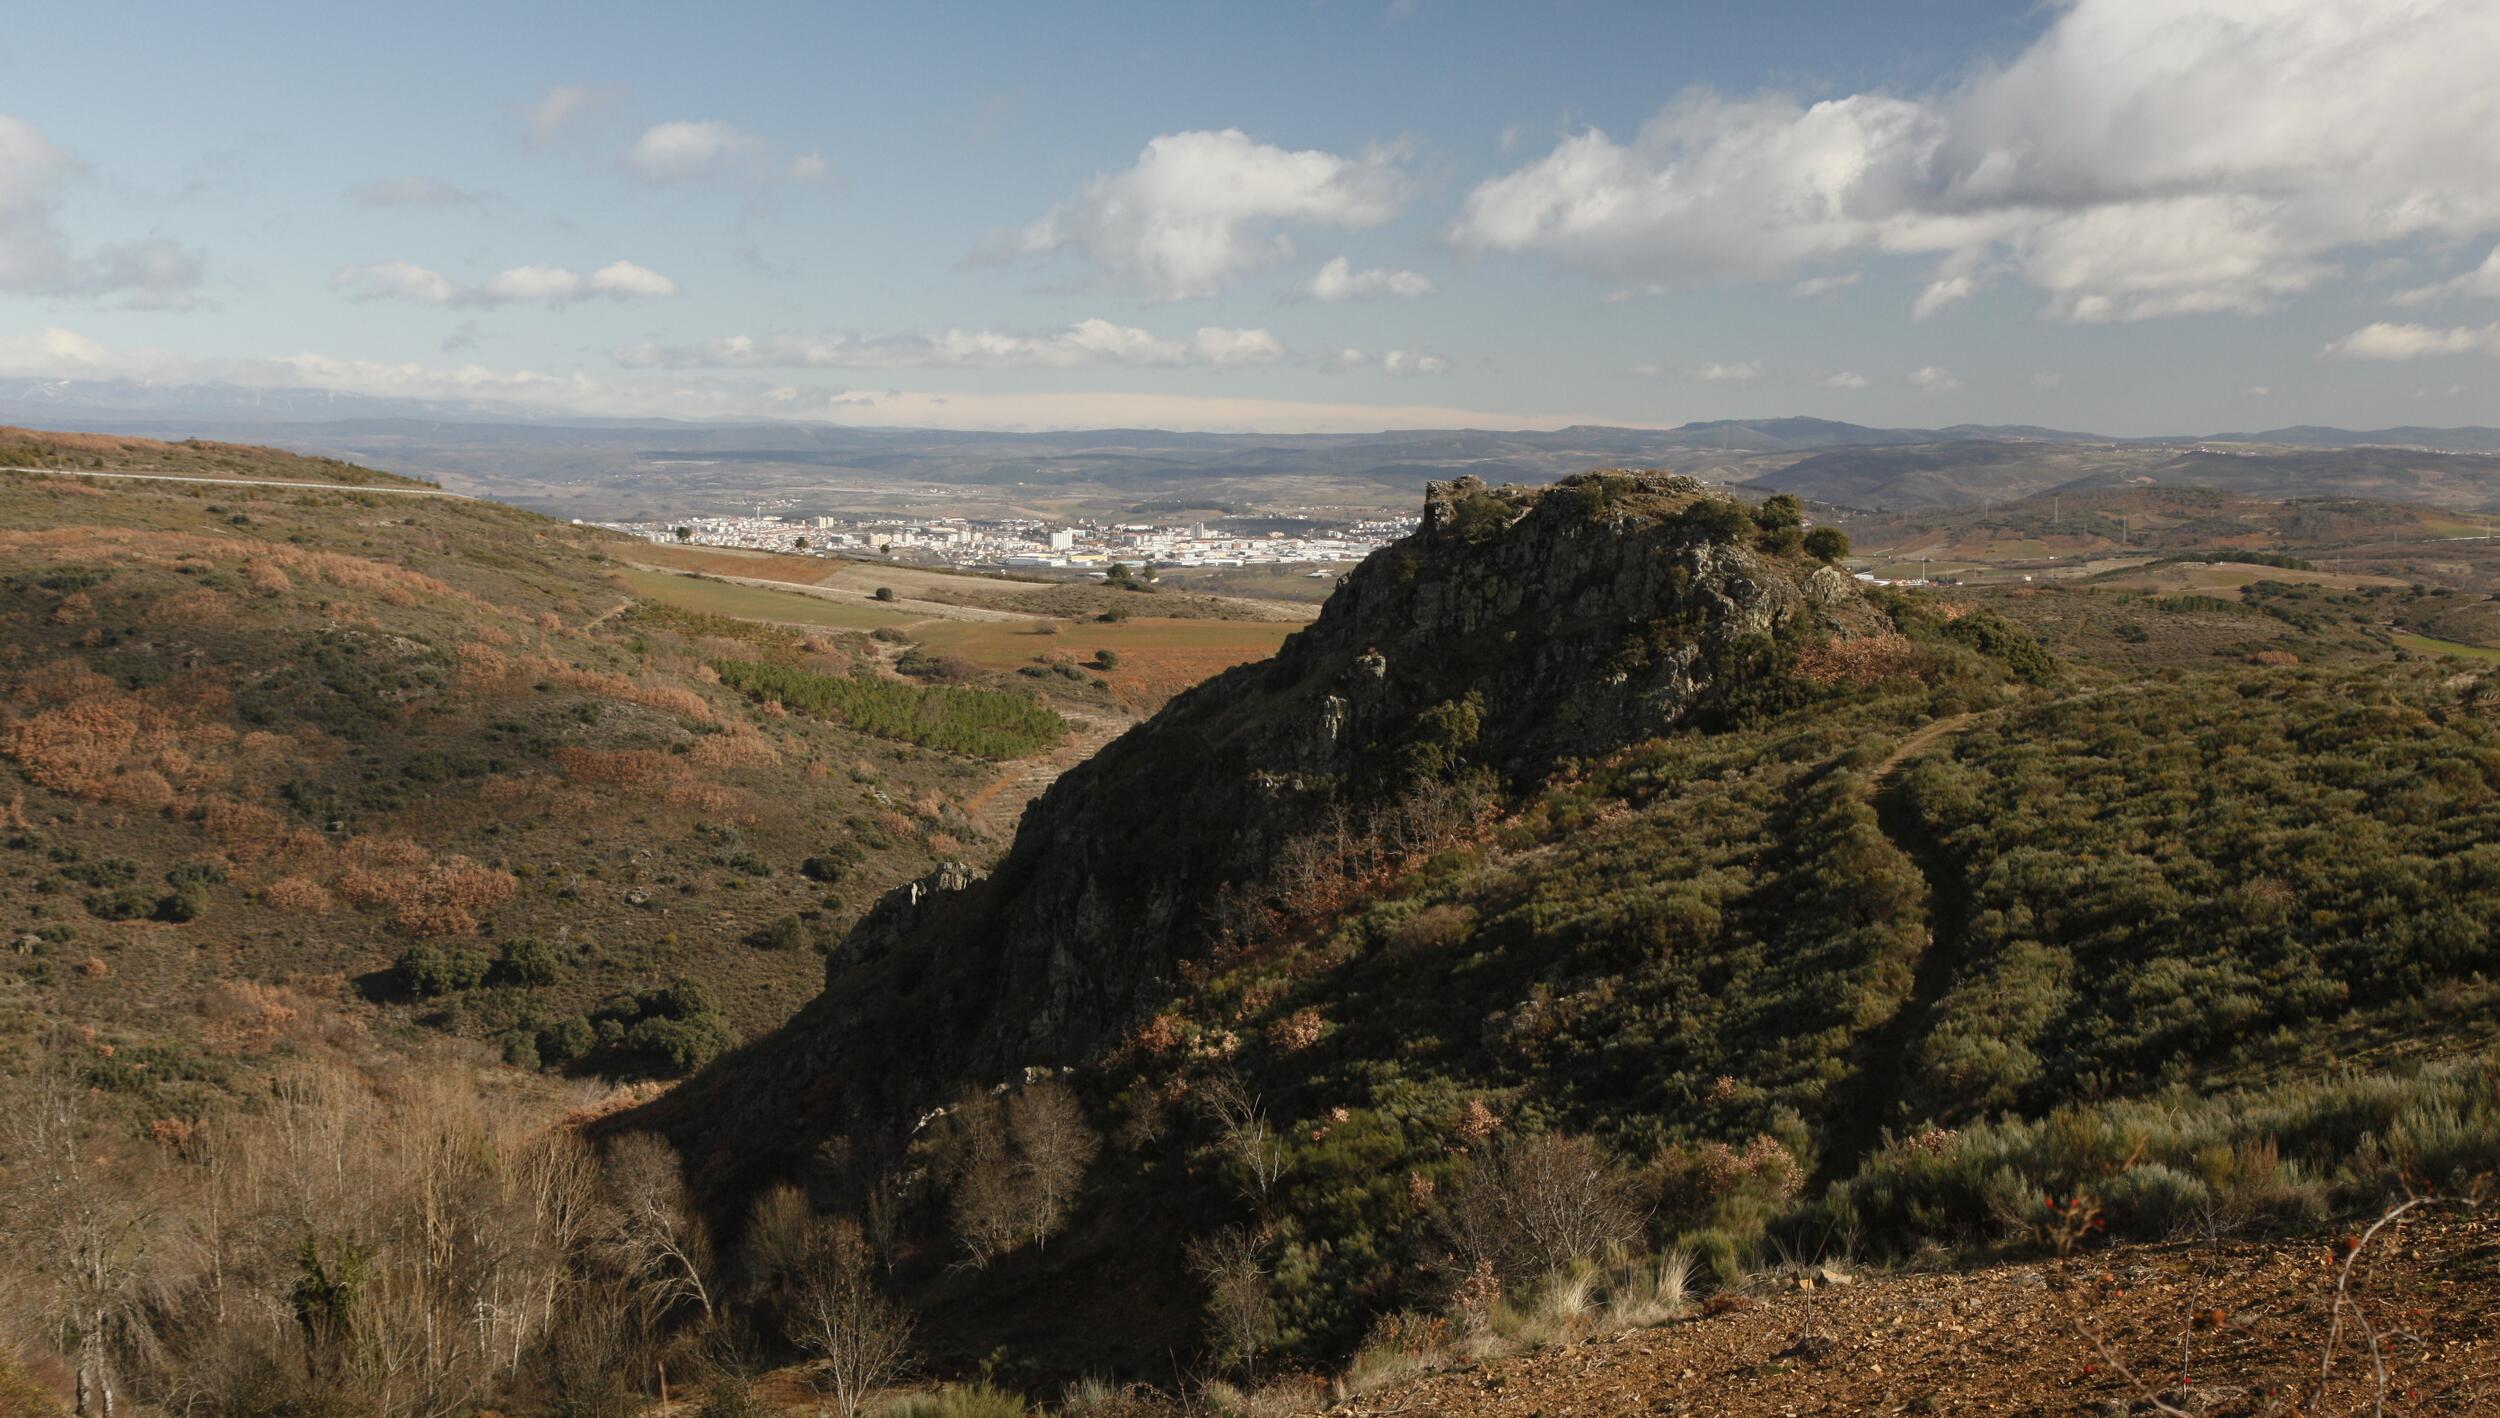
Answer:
(1516, 629)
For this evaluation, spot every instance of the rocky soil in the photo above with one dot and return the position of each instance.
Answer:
(2236, 1328)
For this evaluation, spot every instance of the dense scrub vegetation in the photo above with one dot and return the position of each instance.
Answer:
(2165, 878)
(984, 723)
(1767, 987)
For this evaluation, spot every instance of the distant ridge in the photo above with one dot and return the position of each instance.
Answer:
(131, 405)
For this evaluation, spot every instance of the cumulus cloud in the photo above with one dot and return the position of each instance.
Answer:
(1085, 344)
(38, 259)
(2388, 340)
(2140, 159)
(1733, 372)
(1935, 379)
(686, 149)
(1198, 210)
(552, 285)
(1338, 280)
(1845, 379)
(555, 115)
(809, 167)
(412, 192)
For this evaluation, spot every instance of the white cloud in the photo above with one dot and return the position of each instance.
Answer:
(2259, 391)
(2047, 379)
(1198, 210)
(62, 354)
(2387, 340)
(564, 106)
(685, 149)
(36, 256)
(1941, 292)
(2139, 159)
(553, 285)
(2481, 283)
(809, 167)
(1085, 344)
(1338, 280)
(1813, 286)
(1737, 372)
(1935, 379)
(1648, 371)
(1404, 364)
(412, 192)
(1846, 379)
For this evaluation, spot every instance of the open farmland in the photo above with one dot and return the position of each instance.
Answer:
(1152, 657)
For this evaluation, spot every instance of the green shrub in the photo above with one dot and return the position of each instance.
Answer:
(783, 933)
(886, 593)
(565, 1040)
(832, 864)
(520, 1050)
(430, 971)
(1715, 519)
(666, 1032)
(1827, 543)
(122, 903)
(527, 962)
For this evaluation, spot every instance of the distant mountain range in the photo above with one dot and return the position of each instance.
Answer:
(615, 467)
(125, 404)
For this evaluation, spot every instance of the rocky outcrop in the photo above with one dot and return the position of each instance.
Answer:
(1517, 628)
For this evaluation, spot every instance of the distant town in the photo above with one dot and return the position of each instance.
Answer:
(1025, 544)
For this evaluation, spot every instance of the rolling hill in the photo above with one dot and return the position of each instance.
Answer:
(434, 756)
(1596, 838)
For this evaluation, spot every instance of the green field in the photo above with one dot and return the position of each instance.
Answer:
(757, 603)
(2425, 645)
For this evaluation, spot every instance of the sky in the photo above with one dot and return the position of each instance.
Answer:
(2128, 216)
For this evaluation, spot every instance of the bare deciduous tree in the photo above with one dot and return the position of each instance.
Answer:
(85, 1238)
(1241, 1315)
(1055, 1145)
(653, 1235)
(863, 1338)
(1014, 1166)
(1536, 1203)
(1248, 1135)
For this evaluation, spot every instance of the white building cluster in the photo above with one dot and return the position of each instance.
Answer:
(1027, 544)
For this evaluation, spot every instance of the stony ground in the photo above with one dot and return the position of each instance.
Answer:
(2240, 1328)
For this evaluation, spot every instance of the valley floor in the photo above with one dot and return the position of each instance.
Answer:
(2250, 1318)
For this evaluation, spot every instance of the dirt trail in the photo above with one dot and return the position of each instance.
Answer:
(934, 610)
(1870, 1097)
(239, 482)
(604, 616)
(1001, 804)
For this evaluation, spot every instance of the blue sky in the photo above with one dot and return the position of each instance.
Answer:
(2125, 215)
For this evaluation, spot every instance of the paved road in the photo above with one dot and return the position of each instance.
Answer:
(236, 482)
